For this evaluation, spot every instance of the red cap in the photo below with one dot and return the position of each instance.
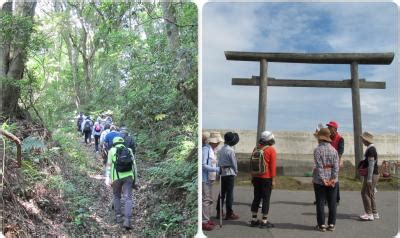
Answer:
(333, 124)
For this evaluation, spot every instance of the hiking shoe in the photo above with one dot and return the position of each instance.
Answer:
(265, 225)
(331, 227)
(118, 219)
(127, 225)
(254, 223)
(207, 227)
(376, 215)
(232, 216)
(321, 228)
(211, 222)
(217, 216)
(367, 217)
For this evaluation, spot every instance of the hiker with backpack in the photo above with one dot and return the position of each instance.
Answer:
(97, 130)
(209, 175)
(103, 145)
(263, 172)
(121, 173)
(79, 121)
(87, 126)
(129, 140)
(229, 169)
(108, 140)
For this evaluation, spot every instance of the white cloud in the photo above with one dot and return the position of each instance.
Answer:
(296, 27)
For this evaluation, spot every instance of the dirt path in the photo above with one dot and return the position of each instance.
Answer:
(98, 215)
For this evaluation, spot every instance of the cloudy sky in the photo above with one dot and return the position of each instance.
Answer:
(298, 27)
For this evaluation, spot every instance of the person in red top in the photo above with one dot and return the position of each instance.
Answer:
(338, 144)
(264, 183)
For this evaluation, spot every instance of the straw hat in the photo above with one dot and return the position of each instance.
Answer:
(324, 134)
(368, 137)
(205, 135)
(215, 137)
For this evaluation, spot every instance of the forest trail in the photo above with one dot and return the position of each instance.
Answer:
(99, 214)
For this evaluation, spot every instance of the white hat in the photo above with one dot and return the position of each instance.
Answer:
(267, 135)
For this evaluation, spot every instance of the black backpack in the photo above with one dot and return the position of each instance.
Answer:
(123, 162)
(87, 125)
(129, 142)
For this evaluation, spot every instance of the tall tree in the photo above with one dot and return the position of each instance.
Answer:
(16, 28)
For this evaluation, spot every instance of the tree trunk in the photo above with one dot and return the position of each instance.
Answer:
(183, 72)
(13, 57)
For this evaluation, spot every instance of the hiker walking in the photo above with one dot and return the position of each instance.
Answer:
(371, 179)
(209, 175)
(108, 140)
(103, 146)
(129, 141)
(79, 121)
(338, 144)
(87, 126)
(263, 179)
(97, 130)
(121, 174)
(228, 164)
(325, 177)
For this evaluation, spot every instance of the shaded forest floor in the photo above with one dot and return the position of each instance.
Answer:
(61, 191)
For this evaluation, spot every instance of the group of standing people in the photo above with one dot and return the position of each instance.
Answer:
(327, 163)
(118, 152)
(224, 163)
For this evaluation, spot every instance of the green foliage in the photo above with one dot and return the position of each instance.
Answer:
(134, 72)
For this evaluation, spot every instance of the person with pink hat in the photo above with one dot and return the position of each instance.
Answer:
(338, 144)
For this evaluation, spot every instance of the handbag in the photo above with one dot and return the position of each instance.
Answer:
(362, 168)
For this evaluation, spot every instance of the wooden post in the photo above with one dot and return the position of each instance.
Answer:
(262, 98)
(357, 126)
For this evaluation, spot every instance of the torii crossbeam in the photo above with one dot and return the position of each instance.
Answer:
(353, 59)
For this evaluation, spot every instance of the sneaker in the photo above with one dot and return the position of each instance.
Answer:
(376, 215)
(367, 217)
(267, 224)
(232, 216)
(217, 216)
(207, 227)
(254, 223)
(211, 222)
(321, 228)
(331, 227)
(127, 225)
(118, 219)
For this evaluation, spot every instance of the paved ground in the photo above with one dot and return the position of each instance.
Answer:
(294, 215)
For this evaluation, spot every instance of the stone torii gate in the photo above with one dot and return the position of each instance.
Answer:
(353, 59)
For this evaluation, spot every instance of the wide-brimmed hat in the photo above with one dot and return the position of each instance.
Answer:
(267, 135)
(215, 137)
(231, 138)
(324, 134)
(333, 124)
(205, 135)
(368, 137)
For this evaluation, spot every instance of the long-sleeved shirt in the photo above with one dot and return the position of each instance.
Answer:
(326, 162)
(270, 161)
(207, 155)
(372, 157)
(227, 161)
(97, 133)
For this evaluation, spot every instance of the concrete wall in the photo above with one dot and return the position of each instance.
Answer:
(295, 149)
